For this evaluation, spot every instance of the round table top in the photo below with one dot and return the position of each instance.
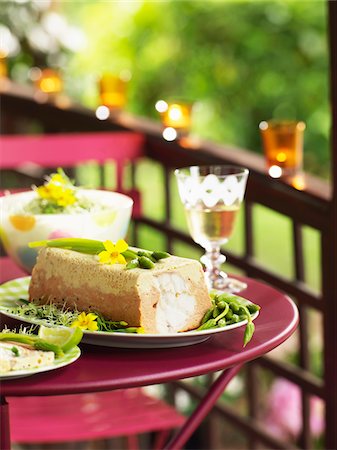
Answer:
(106, 368)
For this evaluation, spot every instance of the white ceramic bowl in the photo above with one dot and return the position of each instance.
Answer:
(17, 229)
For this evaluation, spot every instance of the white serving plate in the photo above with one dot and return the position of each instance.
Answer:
(12, 291)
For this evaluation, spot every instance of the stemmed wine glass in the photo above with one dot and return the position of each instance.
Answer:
(212, 196)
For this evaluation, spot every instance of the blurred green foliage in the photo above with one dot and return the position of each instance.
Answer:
(240, 62)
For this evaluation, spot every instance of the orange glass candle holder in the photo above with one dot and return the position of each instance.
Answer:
(49, 81)
(178, 116)
(283, 146)
(112, 91)
(3, 66)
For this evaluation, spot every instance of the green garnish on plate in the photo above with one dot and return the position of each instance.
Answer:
(227, 309)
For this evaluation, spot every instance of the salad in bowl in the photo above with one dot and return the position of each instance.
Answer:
(59, 209)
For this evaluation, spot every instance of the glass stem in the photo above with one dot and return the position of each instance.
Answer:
(212, 260)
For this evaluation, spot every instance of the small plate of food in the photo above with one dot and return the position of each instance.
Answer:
(23, 353)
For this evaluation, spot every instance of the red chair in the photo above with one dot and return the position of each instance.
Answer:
(81, 417)
(89, 417)
(25, 154)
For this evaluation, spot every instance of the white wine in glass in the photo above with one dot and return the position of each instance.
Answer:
(212, 196)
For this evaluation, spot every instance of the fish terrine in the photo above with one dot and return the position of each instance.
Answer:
(23, 358)
(169, 298)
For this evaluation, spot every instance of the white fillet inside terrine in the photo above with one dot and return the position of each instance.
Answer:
(168, 298)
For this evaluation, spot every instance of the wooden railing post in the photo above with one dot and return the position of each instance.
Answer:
(329, 256)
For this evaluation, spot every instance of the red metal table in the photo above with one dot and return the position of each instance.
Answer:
(106, 368)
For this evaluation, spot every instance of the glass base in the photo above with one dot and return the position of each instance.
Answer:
(215, 277)
(226, 284)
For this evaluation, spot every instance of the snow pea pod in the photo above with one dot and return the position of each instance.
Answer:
(221, 304)
(147, 255)
(133, 264)
(252, 307)
(128, 330)
(160, 255)
(234, 306)
(145, 263)
(229, 314)
(216, 312)
(211, 323)
(249, 331)
(235, 318)
(222, 323)
(208, 315)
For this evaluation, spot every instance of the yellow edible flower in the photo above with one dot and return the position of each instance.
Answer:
(57, 193)
(86, 322)
(113, 252)
(66, 198)
(57, 178)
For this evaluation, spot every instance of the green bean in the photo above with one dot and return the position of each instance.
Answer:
(39, 344)
(225, 296)
(229, 309)
(253, 308)
(222, 323)
(235, 318)
(216, 312)
(221, 305)
(147, 255)
(160, 255)
(128, 330)
(129, 254)
(208, 315)
(234, 306)
(229, 314)
(244, 311)
(145, 263)
(242, 301)
(249, 331)
(32, 340)
(133, 264)
(214, 295)
(90, 246)
(223, 313)
(211, 323)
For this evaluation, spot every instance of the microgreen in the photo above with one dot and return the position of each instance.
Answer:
(49, 313)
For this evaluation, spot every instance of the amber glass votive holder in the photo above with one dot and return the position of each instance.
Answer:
(3, 66)
(178, 116)
(112, 91)
(283, 146)
(49, 82)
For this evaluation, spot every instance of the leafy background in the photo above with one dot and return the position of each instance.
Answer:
(240, 62)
